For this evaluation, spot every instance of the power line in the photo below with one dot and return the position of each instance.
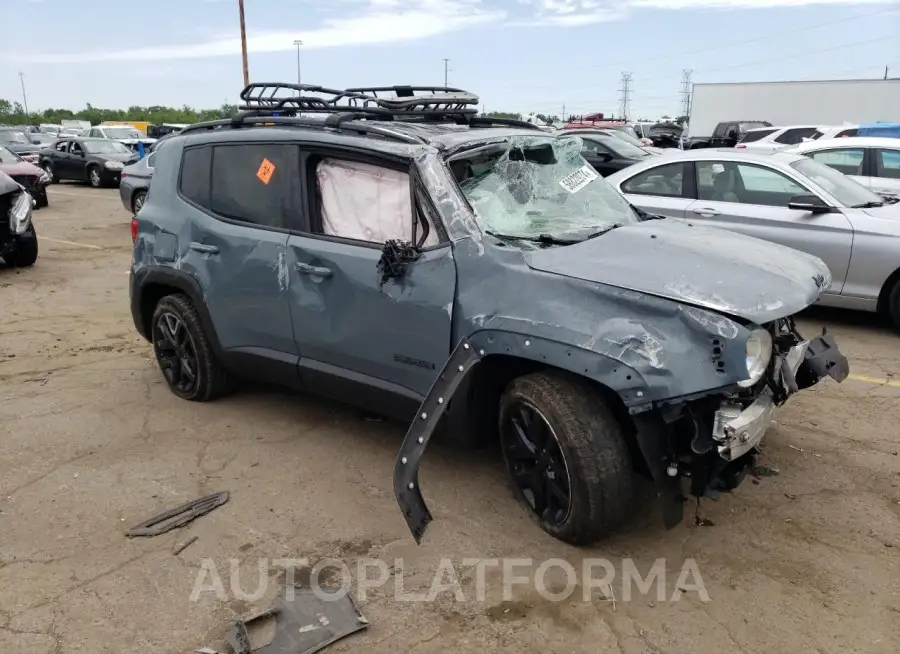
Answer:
(624, 96)
(686, 92)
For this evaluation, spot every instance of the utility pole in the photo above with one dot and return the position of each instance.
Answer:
(298, 43)
(625, 97)
(446, 70)
(244, 43)
(686, 92)
(885, 72)
(564, 112)
(24, 97)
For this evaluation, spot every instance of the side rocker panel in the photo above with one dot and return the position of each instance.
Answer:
(624, 380)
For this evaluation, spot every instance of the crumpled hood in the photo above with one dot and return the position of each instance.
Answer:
(705, 267)
(21, 168)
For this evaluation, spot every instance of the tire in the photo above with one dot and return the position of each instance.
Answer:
(210, 378)
(94, 178)
(48, 168)
(595, 456)
(138, 201)
(26, 249)
(893, 306)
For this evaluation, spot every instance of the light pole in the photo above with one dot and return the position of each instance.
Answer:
(244, 44)
(298, 43)
(24, 97)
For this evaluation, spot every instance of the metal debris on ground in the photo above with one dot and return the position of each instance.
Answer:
(305, 623)
(178, 549)
(179, 516)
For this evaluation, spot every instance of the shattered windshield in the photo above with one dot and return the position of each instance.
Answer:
(539, 188)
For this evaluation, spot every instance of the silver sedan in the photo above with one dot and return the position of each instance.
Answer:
(788, 199)
(872, 161)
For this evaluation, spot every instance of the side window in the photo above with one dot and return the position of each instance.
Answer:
(62, 146)
(194, 179)
(75, 148)
(847, 132)
(720, 130)
(744, 184)
(96, 133)
(887, 163)
(151, 159)
(756, 134)
(796, 135)
(667, 181)
(847, 161)
(366, 202)
(256, 183)
(593, 147)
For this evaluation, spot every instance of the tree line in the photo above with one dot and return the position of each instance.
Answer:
(13, 113)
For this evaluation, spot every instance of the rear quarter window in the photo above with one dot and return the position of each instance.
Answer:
(756, 135)
(194, 178)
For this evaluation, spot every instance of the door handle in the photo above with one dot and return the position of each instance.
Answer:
(307, 269)
(204, 248)
(705, 212)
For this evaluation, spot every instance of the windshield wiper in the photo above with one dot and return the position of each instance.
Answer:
(557, 239)
(867, 205)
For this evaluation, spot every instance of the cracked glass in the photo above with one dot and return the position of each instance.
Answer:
(539, 188)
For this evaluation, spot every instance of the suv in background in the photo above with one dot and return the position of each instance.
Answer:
(406, 255)
(776, 138)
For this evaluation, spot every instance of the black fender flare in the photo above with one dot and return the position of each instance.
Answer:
(150, 275)
(625, 381)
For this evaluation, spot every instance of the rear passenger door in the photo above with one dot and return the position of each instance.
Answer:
(242, 199)
(886, 179)
(849, 161)
(665, 190)
(380, 339)
(753, 199)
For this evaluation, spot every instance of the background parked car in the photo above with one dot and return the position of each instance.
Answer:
(13, 138)
(96, 161)
(124, 134)
(18, 240)
(726, 134)
(777, 138)
(789, 199)
(135, 182)
(605, 153)
(873, 162)
(28, 175)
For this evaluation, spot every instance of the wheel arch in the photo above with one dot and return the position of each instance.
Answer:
(884, 294)
(153, 283)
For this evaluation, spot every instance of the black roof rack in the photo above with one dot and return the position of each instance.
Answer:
(281, 103)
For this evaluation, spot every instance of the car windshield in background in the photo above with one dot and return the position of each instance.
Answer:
(8, 156)
(623, 148)
(757, 134)
(626, 129)
(13, 136)
(122, 133)
(625, 137)
(106, 147)
(844, 189)
(539, 188)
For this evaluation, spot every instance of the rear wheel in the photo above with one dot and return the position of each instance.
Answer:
(566, 455)
(138, 201)
(183, 351)
(26, 249)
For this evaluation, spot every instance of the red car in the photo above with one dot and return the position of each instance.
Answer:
(28, 175)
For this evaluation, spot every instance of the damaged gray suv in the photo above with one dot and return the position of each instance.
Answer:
(390, 248)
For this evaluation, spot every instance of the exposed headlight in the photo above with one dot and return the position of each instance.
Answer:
(20, 213)
(759, 351)
(44, 179)
(114, 165)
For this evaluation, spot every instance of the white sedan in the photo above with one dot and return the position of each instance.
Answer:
(770, 139)
(872, 161)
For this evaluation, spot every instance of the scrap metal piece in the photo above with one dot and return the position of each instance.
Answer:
(178, 549)
(179, 516)
(307, 621)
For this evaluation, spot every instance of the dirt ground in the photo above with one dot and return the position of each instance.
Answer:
(92, 443)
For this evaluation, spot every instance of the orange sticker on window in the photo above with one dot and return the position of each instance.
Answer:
(265, 172)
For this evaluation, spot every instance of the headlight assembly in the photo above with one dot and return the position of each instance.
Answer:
(759, 351)
(114, 165)
(20, 213)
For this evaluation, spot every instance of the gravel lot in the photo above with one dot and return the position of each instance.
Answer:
(805, 560)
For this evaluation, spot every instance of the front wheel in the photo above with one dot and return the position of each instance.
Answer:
(94, 177)
(893, 305)
(183, 351)
(26, 252)
(566, 455)
(48, 168)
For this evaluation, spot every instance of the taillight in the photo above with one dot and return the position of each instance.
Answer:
(740, 146)
(134, 229)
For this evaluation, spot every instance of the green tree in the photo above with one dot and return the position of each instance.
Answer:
(13, 113)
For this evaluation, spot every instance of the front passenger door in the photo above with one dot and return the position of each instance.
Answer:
(753, 199)
(379, 339)
(886, 181)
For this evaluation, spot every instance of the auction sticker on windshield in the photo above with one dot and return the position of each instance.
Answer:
(579, 179)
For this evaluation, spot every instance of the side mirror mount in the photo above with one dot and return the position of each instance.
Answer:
(810, 203)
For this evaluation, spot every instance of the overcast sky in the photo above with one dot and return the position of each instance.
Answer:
(519, 55)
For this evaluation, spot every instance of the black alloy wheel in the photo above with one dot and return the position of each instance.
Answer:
(175, 352)
(536, 462)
